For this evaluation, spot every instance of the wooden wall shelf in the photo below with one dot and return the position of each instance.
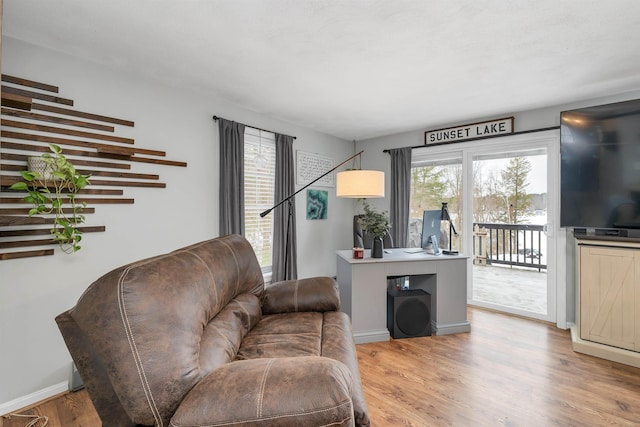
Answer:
(89, 140)
(36, 95)
(16, 101)
(12, 220)
(25, 254)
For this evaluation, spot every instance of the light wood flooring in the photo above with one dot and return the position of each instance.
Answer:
(507, 371)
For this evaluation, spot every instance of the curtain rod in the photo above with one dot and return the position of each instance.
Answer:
(480, 137)
(264, 130)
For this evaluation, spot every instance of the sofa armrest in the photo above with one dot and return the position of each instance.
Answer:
(312, 294)
(308, 390)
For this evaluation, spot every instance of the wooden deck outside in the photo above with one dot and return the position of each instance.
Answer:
(520, 288)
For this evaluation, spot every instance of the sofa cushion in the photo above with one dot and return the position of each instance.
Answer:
(284, 335)
(223, 335)
(301, 391)
(311, 294)
(309, 334)
(337, 343)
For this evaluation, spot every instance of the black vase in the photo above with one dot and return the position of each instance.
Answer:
(378, 246)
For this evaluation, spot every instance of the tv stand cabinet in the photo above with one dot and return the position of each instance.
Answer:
(608, 311)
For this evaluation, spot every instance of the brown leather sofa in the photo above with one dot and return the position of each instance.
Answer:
(194, 338)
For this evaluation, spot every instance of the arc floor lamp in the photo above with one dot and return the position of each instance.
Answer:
(353, 184)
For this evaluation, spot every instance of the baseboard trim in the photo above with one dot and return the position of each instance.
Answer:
(450, 328)
(364, 337)
(33, 398)
(371, 336)
(615, 354)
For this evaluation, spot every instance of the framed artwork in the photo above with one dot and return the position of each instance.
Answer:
(317, 204)
(310, 166)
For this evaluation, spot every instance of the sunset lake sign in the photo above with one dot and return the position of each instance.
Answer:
(471, 131)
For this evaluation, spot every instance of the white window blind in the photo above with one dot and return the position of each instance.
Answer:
(259, 183)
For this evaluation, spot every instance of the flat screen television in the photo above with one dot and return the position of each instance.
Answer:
(600, 166)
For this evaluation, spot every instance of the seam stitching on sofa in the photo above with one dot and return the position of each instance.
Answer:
(262, 386)
(274, 417)
(322, 336)
(295, 297)
(213, 279)
(235, 258)
(219, 331)
(134, 350)
(337, 423)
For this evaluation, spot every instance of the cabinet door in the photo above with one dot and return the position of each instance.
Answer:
(608, 296)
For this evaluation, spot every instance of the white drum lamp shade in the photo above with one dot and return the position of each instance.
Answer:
(360, 184)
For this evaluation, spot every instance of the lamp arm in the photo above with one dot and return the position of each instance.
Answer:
(265, 213)
(453, 228)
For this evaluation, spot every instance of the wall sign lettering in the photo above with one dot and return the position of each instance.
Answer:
(470, 131)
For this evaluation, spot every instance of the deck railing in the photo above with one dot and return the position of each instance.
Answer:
(509, 244)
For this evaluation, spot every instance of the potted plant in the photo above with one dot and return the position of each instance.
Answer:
(376, 224)
(50, 177)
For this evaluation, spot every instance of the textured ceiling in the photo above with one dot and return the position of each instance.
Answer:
(355, 69)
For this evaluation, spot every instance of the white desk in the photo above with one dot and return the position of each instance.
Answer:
(363, 290)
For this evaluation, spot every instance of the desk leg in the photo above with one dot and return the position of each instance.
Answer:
(448, 289)
(363, 296)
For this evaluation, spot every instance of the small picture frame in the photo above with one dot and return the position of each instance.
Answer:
(317, 204)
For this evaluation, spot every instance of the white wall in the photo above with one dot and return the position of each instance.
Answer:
(523, 121)
(33, 291)
(33, 358)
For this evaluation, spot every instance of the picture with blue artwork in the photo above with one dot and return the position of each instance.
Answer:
(317, 204)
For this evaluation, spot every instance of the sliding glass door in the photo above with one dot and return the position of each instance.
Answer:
(502, 197)
(511, 245)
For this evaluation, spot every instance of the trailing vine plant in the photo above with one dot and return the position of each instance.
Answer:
(46, 190)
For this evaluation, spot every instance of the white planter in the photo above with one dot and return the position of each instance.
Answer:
(37, 164)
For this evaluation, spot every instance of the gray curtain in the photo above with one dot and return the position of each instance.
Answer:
(231, 177)
(284, 236)
(400, 195)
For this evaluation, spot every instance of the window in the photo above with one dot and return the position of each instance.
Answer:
(433, 181)
(259, 183)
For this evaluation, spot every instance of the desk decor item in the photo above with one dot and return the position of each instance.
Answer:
(376, 224)
(358, 253)
(452, 230)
